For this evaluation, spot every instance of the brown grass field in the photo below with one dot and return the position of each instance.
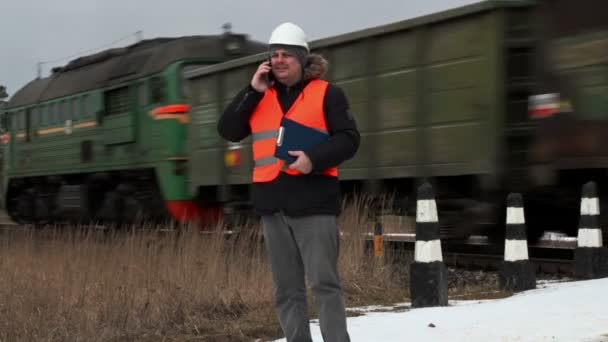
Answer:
(86, 284)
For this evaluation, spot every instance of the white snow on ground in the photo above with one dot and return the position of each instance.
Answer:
(567, 311)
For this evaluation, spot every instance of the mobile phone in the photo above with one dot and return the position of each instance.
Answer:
(270, 75)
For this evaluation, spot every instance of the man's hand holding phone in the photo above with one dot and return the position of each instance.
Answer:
(262, 79)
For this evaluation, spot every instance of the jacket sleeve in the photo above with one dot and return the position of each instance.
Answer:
(234, 122)
(344, 135)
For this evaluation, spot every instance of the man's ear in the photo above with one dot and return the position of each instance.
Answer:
(308, 61)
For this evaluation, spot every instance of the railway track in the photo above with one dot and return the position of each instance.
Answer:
(548, 256)
(492, 262)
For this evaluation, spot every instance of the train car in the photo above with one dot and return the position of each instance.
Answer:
(458, 98)
(567, 145)
(103, 138)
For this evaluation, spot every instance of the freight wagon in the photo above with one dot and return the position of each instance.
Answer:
(491, 98)
(481, 100)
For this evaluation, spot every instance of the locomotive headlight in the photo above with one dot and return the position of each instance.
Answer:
(232, 156)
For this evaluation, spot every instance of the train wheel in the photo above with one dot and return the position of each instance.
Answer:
(24, 208)
(42, 211)
(109, 209)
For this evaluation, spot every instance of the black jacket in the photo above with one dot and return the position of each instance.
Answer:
(311, 194)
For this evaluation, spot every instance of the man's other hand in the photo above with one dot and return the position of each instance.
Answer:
(302, 163)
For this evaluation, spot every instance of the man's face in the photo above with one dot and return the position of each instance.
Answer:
(285, 66)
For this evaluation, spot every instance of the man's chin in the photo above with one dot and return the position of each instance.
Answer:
(285, 80)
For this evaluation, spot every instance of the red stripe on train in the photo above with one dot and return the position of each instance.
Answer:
(173, 108)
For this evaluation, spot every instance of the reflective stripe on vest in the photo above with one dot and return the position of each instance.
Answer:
(265, 122)
(267, 134)
(264, 161)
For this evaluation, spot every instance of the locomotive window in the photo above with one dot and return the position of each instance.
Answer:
(41, 114)
(48, 115)
(85, 109)
(74, 110)
(53, 114)
(62, 112)
(10, 122)
(143, 93)
(27, 118)
(34, 115)
(67, 111)
(157, 90)
(117, 101)
(67, 114)
(21, 120)
(88, 106)
(58, 111)
(44, 115)
(6, 122)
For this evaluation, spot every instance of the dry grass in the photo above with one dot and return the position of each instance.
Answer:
(83, 284)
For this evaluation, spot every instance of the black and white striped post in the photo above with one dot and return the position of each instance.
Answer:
(428, 274)
(590, 258)
(516, 273)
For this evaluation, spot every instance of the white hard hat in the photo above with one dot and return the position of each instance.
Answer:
(288, 34)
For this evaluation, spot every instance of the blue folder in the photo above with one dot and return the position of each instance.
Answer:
(294, 136)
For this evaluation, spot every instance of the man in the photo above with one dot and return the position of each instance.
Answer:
(298, 202)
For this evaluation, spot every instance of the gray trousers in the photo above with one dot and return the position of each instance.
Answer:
(306, 245)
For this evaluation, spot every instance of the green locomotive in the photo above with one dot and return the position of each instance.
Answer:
(104, 137)
(483, 100)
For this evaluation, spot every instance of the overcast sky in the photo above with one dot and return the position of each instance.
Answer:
(34, 30)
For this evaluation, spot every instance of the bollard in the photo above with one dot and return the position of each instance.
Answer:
(590, 258)
(516, 273)
(428, 274)
(378, 239)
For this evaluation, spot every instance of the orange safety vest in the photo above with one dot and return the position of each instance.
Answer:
(265, 122)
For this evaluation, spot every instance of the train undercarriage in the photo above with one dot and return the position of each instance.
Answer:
(119, 197)
(465, 207)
